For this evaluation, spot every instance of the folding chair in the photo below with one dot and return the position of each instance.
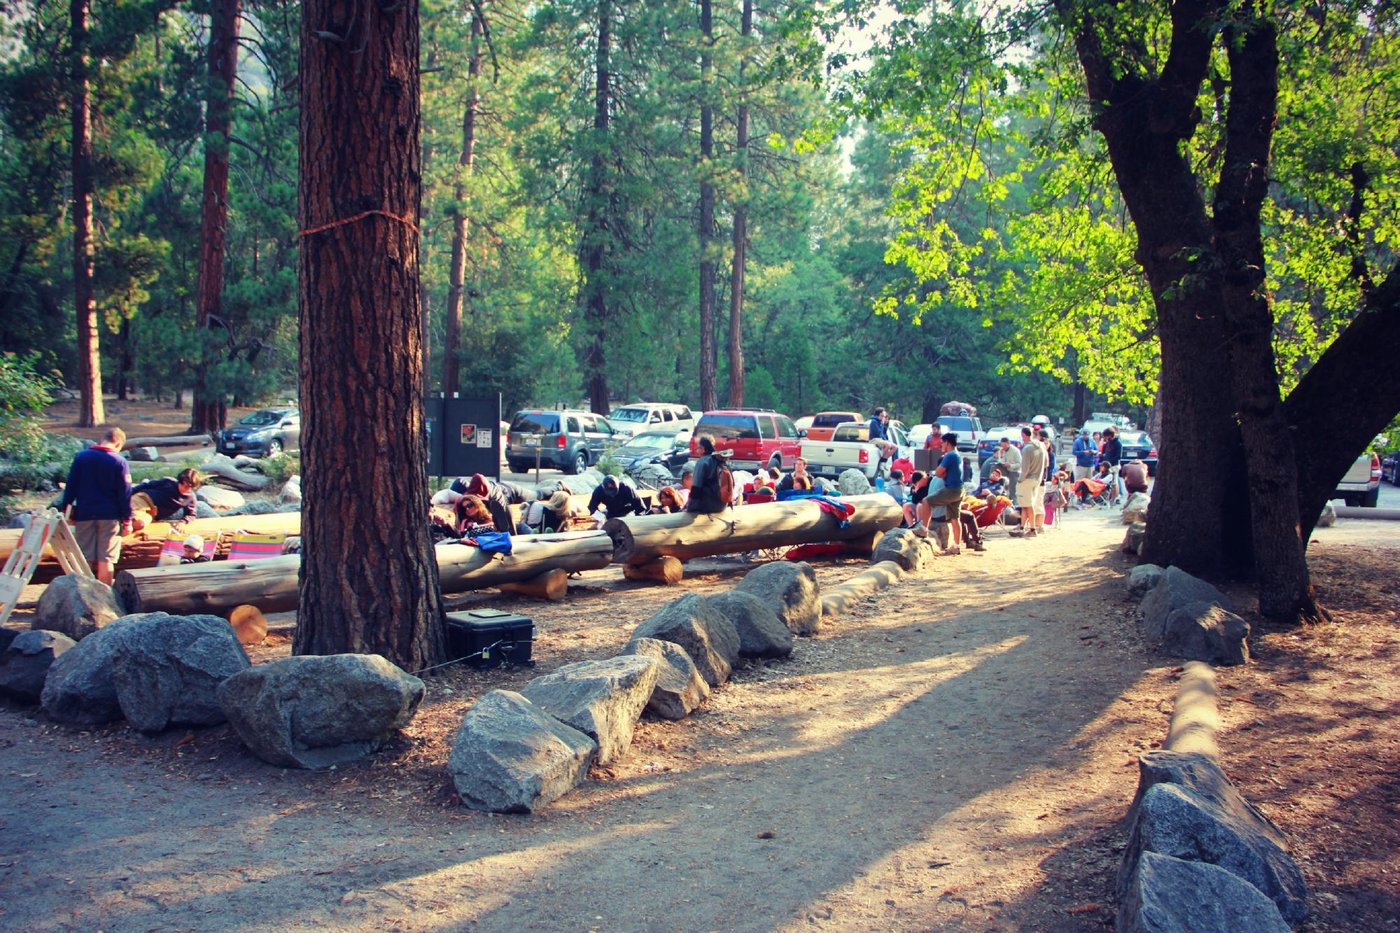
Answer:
(173, 549)
(245, 546)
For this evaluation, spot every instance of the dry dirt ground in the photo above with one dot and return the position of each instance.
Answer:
(955, 753)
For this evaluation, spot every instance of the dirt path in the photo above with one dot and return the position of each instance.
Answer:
(954, 754)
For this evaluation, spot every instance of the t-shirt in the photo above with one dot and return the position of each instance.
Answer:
(166, 496)
(952, 469)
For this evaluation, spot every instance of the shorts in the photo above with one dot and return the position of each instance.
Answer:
(1030, 495)
(100, 539)
(1082, 472)
(948, 495)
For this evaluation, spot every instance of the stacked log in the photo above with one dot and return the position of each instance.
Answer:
(270, 584)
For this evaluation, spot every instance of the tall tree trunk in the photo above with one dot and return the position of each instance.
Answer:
(457, 271)
(90, 411)
(1201, 522)
(208, 409)
(741, 223)
(369, 581)
(597, 235)
(708, 377)
(1280, 568)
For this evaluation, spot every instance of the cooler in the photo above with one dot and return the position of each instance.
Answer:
(487, 638)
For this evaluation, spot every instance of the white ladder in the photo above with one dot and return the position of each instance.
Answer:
(47, 528)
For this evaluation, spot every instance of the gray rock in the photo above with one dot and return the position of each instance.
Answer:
(1135, 508)
(1142, 578)
(1205, 632)
(291, 490)
(7, 637)
(1171, 895)
(602, 699)
(25, 662)
(314, 712)
(169, 669)
(708, 637)
(1219, 826)
(679, 687)
(220, 499)
(853, 482)
(143, 454)
(76, 606)
(259, 507)
(790, 588)
(1328, 516)
(761, 633)
(903, 547)
(1134, 538)
(1176, 589)
(79, 688)
(510, 757)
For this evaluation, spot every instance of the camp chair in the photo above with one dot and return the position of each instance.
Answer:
(248, 546)
(173, 549)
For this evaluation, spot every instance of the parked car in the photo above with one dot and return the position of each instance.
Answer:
(918, 434)
(568, 440)
(824, 423)
(262, 433)
(1137, 445)
(667, 448)
(651, 416)
(1362, 483)
(757, 437)
(1390, 467)
(988, 443)
(850, 449)
(968, 428)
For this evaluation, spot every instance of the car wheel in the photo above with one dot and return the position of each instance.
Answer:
(274, 448)
(1349, 501)
(517, 466)
(579, 465)
(1371, 499)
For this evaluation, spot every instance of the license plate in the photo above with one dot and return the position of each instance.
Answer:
(532, 442)
(1132, 453)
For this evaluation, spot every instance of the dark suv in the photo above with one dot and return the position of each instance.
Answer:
(757, 437)
(565, 440)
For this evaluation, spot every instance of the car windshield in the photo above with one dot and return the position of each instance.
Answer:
(262, 418)
(535, 422)
(630, 415)
(650, 441)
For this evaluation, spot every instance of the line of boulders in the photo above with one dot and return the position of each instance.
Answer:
(1199, 856)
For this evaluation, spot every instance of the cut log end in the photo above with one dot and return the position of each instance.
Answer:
(249, 624)
(667, 570)
(552, 585)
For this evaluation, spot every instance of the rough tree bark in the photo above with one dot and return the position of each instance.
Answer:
(369, 581)
(209, 412)
(708, 390)
(597, 234)
(741, 224)
(90, 410)
(457, 273)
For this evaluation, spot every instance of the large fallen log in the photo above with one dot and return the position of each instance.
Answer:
(638, 539)
(270, 584)
(181, 440)
(223, 468)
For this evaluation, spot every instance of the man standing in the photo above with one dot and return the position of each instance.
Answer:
(1112, 454)
(950, 496)
(1084, 450)
(99, 490)
(1011, 467)
(1028, 490)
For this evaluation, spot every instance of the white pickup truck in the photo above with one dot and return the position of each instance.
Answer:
(1362, 483)
(850, 449)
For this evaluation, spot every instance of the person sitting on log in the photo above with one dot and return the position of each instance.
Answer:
(707, 495)
(168, 499)
(472, 515)
(498, 496)
(552, 511)
(799, 471)
(674, 498)
(616, 500)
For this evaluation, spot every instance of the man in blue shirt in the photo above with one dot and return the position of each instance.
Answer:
(950, 470)
(1084, 451)
(99, 489)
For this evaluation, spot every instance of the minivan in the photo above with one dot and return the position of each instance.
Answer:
(561, 439)
(756, 437)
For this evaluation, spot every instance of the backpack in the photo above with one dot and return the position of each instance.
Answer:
(726, 485)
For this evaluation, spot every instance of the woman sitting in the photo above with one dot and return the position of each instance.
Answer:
(472, 515)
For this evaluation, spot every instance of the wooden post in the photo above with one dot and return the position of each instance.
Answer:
(666, 570)
(552, 585)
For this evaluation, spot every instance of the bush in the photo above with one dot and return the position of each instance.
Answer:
(24, 391)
